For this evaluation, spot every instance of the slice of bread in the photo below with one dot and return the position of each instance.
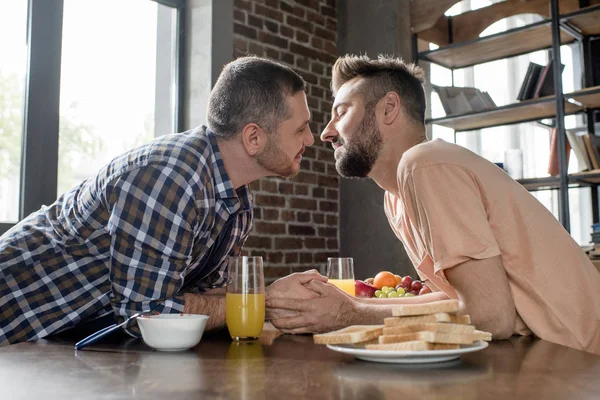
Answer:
(431, 327)
(433, 337)
(350, 334)
(447, 306)
(416, 345)
(482, 335)
(437, 317)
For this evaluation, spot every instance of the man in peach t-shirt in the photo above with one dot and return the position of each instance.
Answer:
(471, 231)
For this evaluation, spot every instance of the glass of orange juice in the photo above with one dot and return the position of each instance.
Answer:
(340, 271)
(245, 298)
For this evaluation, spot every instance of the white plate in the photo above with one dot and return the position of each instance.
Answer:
(406, 356)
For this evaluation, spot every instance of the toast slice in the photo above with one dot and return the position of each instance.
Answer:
(350, 334)
(447, 306)
(431, 327)
(416, 345)
(437, 317)
(434, 337)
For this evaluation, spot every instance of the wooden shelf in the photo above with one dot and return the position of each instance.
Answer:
(586, 177)
(545, 183)
(588, 98)
(510, 43)
(525, 111)
(586, 20)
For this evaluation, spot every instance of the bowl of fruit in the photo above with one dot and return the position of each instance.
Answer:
(388, 285)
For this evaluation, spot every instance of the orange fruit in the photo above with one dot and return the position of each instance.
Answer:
(398, 279)
(384, 278)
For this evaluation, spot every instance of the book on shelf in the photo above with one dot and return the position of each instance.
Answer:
(553, 159)
(462, 100)
(538, 81)
(579, 149)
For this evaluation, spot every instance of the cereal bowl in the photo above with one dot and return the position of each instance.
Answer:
(172, 332)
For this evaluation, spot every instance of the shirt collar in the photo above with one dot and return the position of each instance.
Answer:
(233, 199)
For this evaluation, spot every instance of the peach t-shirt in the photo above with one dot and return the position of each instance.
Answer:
(455, 206)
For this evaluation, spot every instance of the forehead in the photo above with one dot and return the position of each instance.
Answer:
(298, 106)
(350, 91)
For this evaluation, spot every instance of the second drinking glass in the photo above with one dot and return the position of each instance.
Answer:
(340, 272)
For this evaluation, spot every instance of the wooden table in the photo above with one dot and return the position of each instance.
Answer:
(290, 367)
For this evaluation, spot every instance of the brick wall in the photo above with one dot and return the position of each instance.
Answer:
(296, 224)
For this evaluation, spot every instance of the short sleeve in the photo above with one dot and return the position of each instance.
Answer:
(446, 204)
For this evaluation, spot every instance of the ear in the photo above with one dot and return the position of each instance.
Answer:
(253, 139)
(391, 107)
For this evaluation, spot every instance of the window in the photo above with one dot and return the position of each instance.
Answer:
(113, 64)
(13, 65)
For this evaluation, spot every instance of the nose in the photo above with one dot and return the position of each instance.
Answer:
(311, 138)
(329, 133)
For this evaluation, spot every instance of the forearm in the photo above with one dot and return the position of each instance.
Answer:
(211, 303)
(373, 311)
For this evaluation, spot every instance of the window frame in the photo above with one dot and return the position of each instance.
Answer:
(39, 143)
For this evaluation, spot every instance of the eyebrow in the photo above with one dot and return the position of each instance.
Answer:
(341, 103)
(304, 124)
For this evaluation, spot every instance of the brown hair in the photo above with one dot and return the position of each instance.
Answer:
(383, 75)
(251, 90)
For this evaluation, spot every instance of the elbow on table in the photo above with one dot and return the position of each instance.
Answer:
(501, 327)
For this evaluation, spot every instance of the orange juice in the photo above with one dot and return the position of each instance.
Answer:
(245, 314)
(347, 285)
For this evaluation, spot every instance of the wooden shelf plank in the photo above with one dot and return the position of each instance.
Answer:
(589, 97)
(506, 44)
(586, 177)
(587, 20)
(545, 183)
(529, 110)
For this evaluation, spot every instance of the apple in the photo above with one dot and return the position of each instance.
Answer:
(424, 290)
(363, 289)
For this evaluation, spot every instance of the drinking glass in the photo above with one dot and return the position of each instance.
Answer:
(245, 298)
(340, 272)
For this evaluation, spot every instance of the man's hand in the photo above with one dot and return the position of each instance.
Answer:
(331, 309)
(291, 287)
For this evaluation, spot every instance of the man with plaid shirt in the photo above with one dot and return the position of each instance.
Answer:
(153, 229)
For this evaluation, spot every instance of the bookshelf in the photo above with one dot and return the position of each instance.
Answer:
(565, 22)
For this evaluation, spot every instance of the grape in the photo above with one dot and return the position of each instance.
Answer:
(416, 286)
(409, 295)
(406, 282)
(386, 289)
(382, 296)
(378, 292)
(401, 291)
(392, 294)
(424, 290)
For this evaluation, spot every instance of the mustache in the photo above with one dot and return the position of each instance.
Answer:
(338, 140)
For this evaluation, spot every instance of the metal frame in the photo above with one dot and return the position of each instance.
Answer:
(39, 161)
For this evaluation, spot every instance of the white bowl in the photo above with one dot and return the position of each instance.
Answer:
(172, 332)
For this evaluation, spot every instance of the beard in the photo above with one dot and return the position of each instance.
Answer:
(276, 161)
(358, 156)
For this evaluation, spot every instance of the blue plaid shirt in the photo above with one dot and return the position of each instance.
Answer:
(123, 241)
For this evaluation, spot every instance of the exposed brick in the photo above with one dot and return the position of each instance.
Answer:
(303, 269)
(322, 257)
(302, 230)
(318, 218)
(298, 12)
(316, 18)
(332, 244)
(328, 206)
(315, 243)
(272, 26)
(310, 78)
(317, 68)
(330, 47)
(274, 257)
(331, 24)
(304, 204)
(274, 40)
(331, 219)
(286, 188)
(301, 190)
(313, 102)
(272, 3)
(328, 11)
(239, 16)
(271, 214)
(289, 243)
(273, 272)
(331, 170)
(317, 92)
(268, 12)
(327, 232)
(299, 23)
(269, 228)
(306, 258)
(302, 36)
(310, 152)
(332, 194)
(243, 4)
(244, 30)
(306, 177)
(287, 58)
(273, 201)
(269, 185)
(314, 4)
(256, 22)
(240, 44)
(291, 258)
(272, 53)
(288, 215)
(303, 216)
(318, 192)
(255, 48)
(329, 181)
(259, 242)
(287, 31)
